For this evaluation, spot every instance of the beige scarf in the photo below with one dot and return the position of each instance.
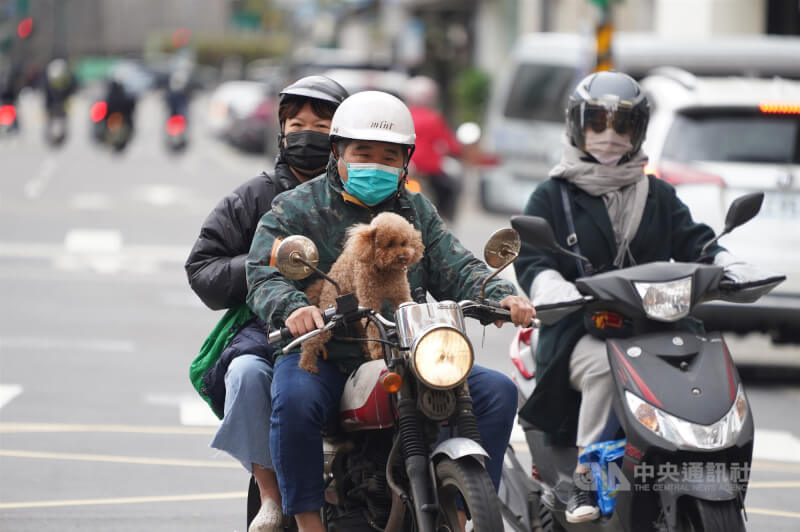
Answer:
(623, 187)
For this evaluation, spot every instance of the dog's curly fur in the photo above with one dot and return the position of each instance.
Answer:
(373, 265)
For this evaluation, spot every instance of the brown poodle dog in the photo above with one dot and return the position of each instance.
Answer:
(373, 265)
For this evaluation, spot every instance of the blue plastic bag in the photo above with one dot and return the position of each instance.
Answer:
(598, 456)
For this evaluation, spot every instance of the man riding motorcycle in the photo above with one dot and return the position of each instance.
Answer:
(372, 140)
(601, 205)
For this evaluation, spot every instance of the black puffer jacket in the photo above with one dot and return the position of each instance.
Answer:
(215, 267)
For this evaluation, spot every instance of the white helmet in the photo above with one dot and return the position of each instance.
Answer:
(373, 115)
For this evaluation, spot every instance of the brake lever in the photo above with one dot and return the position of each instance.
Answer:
(316, 332)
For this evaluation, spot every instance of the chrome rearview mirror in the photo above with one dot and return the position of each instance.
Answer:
(297, 257)
(501, 250)
(503, 246)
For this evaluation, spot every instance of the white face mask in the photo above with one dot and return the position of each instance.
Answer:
(607, 147)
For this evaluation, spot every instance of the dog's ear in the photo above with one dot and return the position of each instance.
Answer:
(361, 239)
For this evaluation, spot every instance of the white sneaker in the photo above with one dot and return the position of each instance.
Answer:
(268, 519)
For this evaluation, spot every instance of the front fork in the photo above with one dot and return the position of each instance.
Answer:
(419, 467)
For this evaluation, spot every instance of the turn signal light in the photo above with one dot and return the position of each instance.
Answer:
(779, 108)
(391, 382)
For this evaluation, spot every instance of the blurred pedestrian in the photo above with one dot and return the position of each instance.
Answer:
(435, 140)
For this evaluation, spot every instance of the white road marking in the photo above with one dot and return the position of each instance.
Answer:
(90, 202)
(193, 411)
(98, 251)
(8, 392)
(65, 344)
(93, 241)
(34, 188)
(779, 445)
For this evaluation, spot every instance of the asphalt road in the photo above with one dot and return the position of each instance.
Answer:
(99, 426)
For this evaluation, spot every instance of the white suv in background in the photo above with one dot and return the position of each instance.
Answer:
(717, 138)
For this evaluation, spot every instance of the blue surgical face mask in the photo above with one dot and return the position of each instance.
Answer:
(371, 183)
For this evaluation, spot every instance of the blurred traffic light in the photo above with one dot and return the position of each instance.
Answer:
(25, 27)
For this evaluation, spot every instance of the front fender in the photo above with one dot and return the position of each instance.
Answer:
(455, 448)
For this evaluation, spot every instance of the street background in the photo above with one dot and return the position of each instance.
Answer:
(100, 429)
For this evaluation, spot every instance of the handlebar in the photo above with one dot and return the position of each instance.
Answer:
(487, 311)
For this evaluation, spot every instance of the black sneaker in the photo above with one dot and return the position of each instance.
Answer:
(581, 506)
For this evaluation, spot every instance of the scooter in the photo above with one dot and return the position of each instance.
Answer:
(683, 411)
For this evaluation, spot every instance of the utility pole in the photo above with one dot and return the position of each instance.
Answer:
(604, 31)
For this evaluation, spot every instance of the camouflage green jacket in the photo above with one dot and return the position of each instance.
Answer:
(320, 210)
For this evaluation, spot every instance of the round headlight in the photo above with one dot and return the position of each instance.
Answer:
(442, 357)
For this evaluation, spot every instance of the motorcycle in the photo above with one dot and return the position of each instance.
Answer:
(112, 117)
(388, 467)
(175, 129)
(55, 132)
(678, 399)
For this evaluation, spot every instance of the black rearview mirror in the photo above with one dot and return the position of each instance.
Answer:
(743, 209)
(535, 231)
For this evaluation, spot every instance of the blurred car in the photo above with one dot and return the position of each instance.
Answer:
(525, 117)
(715, 139)
(368, 79)
(244, 114)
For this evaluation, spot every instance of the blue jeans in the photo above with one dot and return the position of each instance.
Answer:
(304, 403)
(244, 431)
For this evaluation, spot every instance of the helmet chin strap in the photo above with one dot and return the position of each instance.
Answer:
(402, 181)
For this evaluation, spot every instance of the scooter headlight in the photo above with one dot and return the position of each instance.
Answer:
(442, 357)
(668, 301)
(686, 434)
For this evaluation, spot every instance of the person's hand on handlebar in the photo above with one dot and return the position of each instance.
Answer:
(522, 311)
(304, 320)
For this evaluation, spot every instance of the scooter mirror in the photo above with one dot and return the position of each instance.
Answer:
(468, 133)
(743, 209)
(535, 231)
(297, 257)
(502, 247)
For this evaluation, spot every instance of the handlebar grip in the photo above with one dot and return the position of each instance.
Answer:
(283, 334)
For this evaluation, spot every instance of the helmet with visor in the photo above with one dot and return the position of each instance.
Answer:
(608, 100)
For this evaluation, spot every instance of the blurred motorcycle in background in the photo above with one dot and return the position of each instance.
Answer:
(113, 116)
(59, 85)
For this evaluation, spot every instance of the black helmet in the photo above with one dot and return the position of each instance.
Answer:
(608, 99)
(316, 87)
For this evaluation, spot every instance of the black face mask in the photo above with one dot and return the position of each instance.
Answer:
(306, 150)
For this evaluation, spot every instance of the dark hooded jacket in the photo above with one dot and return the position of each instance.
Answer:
(216, 266)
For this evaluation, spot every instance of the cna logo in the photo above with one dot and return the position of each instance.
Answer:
(383, 124)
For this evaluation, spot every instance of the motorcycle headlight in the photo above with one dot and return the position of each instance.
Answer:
(686, 434)
(668, 301)
(442, 357)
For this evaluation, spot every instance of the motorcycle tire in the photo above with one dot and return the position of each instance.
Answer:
(468, 478)
(711, 516)
(547, 520)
